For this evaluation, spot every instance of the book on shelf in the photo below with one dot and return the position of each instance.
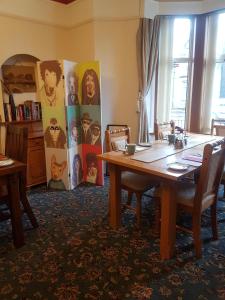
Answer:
(29, 110)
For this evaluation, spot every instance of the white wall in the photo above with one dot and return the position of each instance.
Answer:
(20, 36)
(115, 49)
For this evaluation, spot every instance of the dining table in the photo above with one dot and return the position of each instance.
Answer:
(156, 161)
(12, 175)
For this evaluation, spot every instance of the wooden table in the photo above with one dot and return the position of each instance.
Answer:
(157, 159)
(11, 176)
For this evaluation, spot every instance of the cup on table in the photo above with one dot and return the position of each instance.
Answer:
(171, 138)
(130, 149)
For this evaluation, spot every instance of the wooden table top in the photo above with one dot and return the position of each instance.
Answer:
(17, 166)
(160, 155)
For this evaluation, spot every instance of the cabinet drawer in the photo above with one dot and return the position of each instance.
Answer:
(37, 142)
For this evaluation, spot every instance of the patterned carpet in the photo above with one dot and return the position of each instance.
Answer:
(75, 255)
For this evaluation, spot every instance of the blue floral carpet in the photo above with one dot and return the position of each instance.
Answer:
(74, 254)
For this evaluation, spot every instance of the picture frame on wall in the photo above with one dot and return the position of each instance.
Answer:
(19, 79)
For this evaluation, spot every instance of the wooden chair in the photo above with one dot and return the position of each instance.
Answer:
(116, 140)
(111, 128)
(218, 128)
(196, 198)
(161, 130)
(16, 148)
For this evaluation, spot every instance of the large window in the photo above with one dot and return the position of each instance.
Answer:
(175, 69)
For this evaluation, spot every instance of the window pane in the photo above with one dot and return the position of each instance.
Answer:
(179, 90)
(220, 45)
(218, 99)
(181, 37)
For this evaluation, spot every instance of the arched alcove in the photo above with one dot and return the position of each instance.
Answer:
(21, 59)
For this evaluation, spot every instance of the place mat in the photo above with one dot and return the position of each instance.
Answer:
(152, 154)
(6, 162)
(138, 149)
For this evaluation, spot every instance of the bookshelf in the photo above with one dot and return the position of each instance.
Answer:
(19, 105)
(27, 114)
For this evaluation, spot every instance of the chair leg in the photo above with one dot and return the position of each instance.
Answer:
(129, 197)
(138, 209)
(29, 212)
(214, 222)
(197, 236)
(157, 215)
(26, 204)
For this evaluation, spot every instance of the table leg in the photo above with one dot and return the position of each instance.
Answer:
(25, 202)
(14, 203)
(168, 221)
(114, 196)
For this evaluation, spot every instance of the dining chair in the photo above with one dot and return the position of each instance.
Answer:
(133, 183)
(196, 198)
(218, 128)
(16, 148)
(161, 130)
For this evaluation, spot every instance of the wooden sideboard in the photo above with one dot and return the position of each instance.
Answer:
(36, 170)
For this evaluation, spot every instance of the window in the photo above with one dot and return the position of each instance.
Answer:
(218, 88)
(175, 69)
(182, 67)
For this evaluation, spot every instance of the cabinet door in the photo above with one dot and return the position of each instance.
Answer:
(36, 171)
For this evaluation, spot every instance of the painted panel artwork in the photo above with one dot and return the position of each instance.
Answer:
(70, 97)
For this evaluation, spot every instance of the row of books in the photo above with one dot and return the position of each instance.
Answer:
(29, 110)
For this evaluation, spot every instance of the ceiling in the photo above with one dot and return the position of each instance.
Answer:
(64, 1)
(70, 1)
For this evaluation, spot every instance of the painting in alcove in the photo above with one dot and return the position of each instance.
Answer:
(19, 79)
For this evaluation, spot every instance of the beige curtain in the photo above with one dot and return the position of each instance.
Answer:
(209, 71)
(147, 56)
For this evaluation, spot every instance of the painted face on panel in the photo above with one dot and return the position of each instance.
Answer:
(75, 133)
(90, 85)
(72, 85)
(50, 82)
(86, 124)
(54, 131)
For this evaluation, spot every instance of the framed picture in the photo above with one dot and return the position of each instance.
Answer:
(19, 79)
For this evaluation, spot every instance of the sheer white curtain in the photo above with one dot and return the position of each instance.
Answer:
(164, 100)
(209, 71)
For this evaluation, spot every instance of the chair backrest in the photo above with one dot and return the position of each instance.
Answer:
(210, 174)
(117, 138)
(218, 127)
(16, 142)
(163, 129)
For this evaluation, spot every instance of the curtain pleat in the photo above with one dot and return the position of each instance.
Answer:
(147, 56)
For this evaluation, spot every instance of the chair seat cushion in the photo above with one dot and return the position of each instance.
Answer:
(184, 195)
(185, 192)
(137, 182)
